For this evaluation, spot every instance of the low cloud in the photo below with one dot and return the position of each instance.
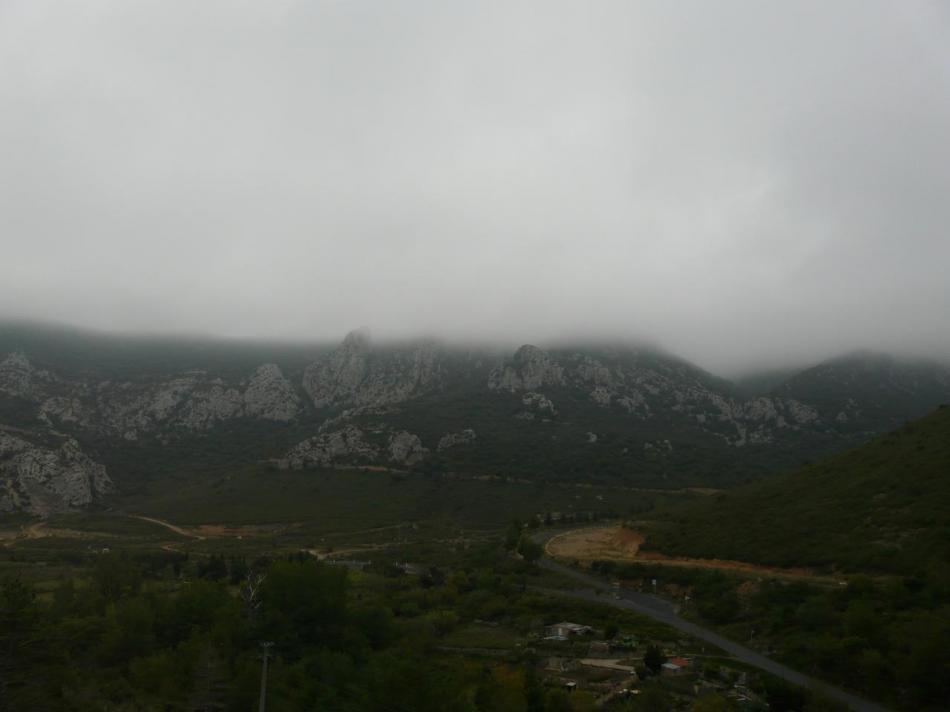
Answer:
(745, 183)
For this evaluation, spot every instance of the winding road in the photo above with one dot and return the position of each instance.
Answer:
(664, 612)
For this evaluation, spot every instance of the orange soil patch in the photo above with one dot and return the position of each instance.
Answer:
(39, 530)
(612, 543)
(618, 543)
(213, 531)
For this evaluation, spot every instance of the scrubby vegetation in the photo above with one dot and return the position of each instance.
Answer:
(883, 507)
(881, 637)
(877, 517)
(162, 631)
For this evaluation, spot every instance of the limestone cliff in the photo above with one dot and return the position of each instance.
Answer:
(355, 374)
(347, 445)
(43, 477)
(193, 401)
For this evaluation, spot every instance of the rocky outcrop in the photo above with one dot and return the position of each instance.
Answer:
(193, 401)
(356, 375)
(450, 440)
(348, 445)
(270, 396)
(43, 478)
(530, 369)
(644, 384)
(758, 420)
(18, 377)
(406, 448)
(658, 446)
(370, 400)
(65, 409)
(539, 402)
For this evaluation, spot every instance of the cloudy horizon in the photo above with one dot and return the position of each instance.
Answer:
(744, 183)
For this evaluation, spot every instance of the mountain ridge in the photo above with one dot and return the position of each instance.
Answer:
(620, 411)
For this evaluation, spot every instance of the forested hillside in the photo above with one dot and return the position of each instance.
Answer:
(883, 507)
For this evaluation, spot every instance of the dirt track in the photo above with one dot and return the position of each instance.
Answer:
(617, 543)
(39, 530)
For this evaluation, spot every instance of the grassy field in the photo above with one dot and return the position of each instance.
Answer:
(332, 500)
(263, 511)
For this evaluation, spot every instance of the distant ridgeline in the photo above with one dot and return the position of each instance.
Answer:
(72, 404)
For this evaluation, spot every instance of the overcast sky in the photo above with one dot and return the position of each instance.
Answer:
(744, 182)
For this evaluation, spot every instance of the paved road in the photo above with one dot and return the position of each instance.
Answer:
(663, 611)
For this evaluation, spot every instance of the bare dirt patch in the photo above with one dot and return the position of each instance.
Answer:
(613, 543)
(618, 543)
(39, 530)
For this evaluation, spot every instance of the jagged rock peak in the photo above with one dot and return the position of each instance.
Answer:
(17, 375)
(530, 369)
(357, 340)
(271, 396)
(357, 374)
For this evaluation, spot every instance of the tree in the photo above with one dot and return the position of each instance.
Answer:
(559, 701)
(115, 576)
(529, 549)
(712, 703)
(19, 616)
(513, 535)
(652, 698)
(533, 691)
(653, 659)
(214, 568)
(209, 692)
(303, 604)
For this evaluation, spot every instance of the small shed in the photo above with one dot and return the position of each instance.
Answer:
(671, 669)
(565, 630)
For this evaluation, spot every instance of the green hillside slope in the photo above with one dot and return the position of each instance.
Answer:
(883, 507)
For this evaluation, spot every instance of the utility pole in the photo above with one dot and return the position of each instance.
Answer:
(265, 652)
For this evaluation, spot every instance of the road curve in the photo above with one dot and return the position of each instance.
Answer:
(662, 611)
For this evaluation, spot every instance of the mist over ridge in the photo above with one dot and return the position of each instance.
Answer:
(746, 185)
(47, 338)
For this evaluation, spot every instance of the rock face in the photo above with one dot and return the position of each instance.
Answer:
(645, 384)
(593, 410)
(18, 377)
(530, 369)
(356, 375)
(406, 448)
(270, 396)
(351, 445)
(46, 478)
(449, 440)
(539, 403)
(348, 445)
(192, 402)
